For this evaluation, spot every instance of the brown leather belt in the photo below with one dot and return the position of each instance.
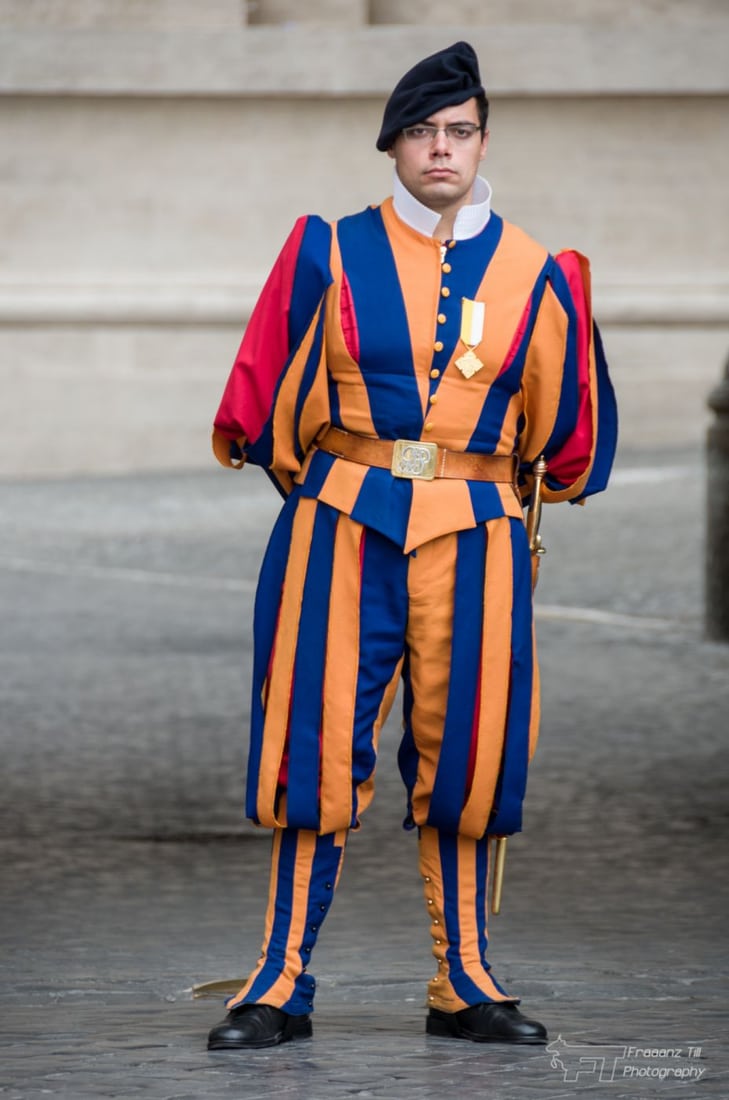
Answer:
(418, 460)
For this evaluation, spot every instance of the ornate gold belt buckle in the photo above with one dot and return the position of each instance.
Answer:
(411, 458)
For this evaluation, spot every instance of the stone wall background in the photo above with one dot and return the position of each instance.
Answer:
(154, 154)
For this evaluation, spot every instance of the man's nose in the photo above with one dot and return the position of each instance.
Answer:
(440, 145)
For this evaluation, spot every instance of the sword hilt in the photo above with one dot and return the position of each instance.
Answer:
(534, 514)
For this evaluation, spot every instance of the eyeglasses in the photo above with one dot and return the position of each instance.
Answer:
(454, 131)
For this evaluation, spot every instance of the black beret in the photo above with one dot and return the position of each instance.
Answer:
(444, 79)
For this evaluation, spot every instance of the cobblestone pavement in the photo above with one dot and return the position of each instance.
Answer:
(128, 873)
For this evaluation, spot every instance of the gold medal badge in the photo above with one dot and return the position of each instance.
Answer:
(472, 318)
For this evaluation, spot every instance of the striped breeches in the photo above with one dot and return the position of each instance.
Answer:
(342, 614)
(305, 870)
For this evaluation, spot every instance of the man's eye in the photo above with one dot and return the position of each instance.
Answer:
(420, 131)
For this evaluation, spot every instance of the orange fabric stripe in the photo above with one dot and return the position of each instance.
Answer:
(507, 284)
(511, 501)
(505, 289)
(281, 674)
(535, 715)
(342, 485)
(315, 412)
(268, 926)
(431, 582)
(542, 378)
(495, 663)
(507, 439)
(469, 950)
(280, 992)
(340, 679)
(282, 989)
(420, 285)
(434, 504)
(353, 398)
(551, 496)
(441, 994)
(466, 924)
(221, 449)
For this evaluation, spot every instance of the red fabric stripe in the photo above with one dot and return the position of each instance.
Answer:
(570, 463)
(283, 774)
(474, 738)
(248, 396)
(518, 337)
(349, 319)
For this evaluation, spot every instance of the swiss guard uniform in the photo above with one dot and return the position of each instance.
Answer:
(398, 389)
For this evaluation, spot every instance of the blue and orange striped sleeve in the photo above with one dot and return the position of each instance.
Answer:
(569, 403)
(289, 300)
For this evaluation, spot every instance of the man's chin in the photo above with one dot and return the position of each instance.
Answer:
(440, 192)
(449, 179)
(444, 183)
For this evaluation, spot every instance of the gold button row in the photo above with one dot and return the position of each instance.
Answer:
(438, 345)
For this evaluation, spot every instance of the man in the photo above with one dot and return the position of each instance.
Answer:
(402, 371)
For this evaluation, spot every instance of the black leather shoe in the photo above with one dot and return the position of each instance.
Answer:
(486, 1023)
(253, 1025)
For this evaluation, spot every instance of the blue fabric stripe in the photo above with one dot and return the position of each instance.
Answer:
(317, 473)
(487, 434)
(569, 398)
(607, 424)
(383, 503)
(464, 986)
(324, 870)
(481, 915)
(260, 453)
(383, 616)
(386, 359)
(307, 380)
(469, 260)
(485, 500)
(323, 877)
(335, 405)
(449, 787)
(448, 852)
(276, 946)
(407, 753)
(308, 679)
(511, 786)
(265, 617)
(311, 278)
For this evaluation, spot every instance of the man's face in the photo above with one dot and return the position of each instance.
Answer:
(440, 173)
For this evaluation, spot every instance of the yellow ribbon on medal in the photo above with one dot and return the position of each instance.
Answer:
(472, 318)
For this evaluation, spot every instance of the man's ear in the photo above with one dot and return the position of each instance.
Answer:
(391, 152)
(484, 144)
